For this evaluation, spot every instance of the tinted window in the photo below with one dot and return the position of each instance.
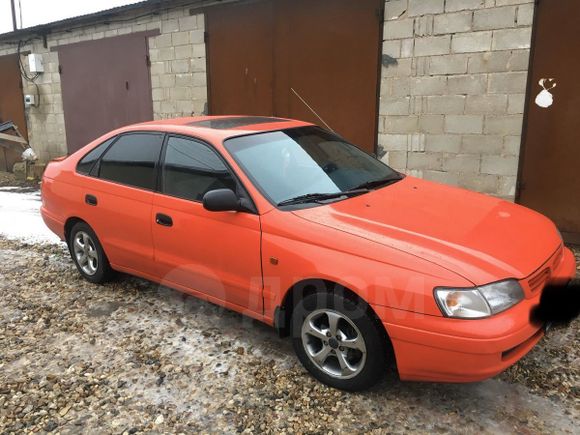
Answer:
(87, 162)
(191, 169)
(132, 159)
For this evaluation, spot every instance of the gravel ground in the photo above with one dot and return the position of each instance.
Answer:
(131, 356)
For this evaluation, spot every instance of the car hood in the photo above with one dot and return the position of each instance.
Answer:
(479, 237)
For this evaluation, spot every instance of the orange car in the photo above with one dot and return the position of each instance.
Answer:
(289, 224)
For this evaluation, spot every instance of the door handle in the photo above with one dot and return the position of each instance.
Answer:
(91, 199)
(164, 220)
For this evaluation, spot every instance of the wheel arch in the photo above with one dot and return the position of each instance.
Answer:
(69, 224)
(306, 287)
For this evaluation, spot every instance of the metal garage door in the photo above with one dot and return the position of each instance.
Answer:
(327, 51)
(550, 160)
(105, 85)
(11, 106)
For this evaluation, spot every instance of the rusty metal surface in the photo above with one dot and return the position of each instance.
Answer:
(549, 181)
(105, 85)
(11, 107)
(327, 51)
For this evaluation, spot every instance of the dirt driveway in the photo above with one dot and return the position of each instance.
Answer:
(131, 357)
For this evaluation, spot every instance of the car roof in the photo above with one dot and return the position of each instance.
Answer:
(219, 127)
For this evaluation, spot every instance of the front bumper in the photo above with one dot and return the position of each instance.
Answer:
(433, 348)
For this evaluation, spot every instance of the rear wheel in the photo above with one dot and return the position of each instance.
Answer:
(338, 341)
(88, 254)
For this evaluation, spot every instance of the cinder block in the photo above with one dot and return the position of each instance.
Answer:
(197, 36)
(180, 66)
(401, 124)
(436, 85)
(420, 160)
(463, 124)
(510, 83)
(450, 64)
(403, 68)
(180, 38)
(507, 187)
(486, 104)
(499, 165)
(188, 23)
(183, 52)
(482, 144)
(441, 177)
(471, 84)
(398, 29)
(161, 41)
(432, 46)
(185, 79)
(431, 124)
(394, 9)
(416, 142)
(471, 42)
(396, 159)
(158, 94)
(424, 26)
(504, 125)
(165, 54)
(512, 2)
(512, 39)
(460, 163)
(525, 16)
(407, 47)
(511, 145)
(489, 62)
(167, 80)
(452, 23)
(483, 183)
(169, 26)
(157, 68)
(461, 5)
(394, 106)
(446, 104)
(494, 18)
(423, 7)
(392, 48)
(442, 143)
(516, 103)
(198, 64)
(393, 142)
(519, 60)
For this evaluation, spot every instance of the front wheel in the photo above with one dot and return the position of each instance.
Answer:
(338, 341)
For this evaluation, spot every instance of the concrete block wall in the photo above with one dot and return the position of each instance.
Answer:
(453, 88)
(178, 71)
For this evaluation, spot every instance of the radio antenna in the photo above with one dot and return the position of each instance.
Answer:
(311, 109)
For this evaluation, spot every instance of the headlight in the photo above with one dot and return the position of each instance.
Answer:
(478, 302)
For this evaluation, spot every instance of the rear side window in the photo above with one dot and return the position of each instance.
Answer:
(85, 165)
(190, 169)
(132, 160)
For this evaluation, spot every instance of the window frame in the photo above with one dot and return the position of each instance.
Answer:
(241, 190)
(97, 162)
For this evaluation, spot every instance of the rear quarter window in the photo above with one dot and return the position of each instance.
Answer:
(85, 165)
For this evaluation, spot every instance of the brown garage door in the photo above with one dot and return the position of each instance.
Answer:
(327, 51)
(550, 161)
(11, 106)
(105, 85)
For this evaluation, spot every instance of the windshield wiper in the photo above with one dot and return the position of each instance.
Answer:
(381, 182)
(315, 197)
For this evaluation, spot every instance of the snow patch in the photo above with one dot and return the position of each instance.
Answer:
(20, 216)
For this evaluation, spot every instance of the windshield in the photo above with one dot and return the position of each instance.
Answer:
(304, 161)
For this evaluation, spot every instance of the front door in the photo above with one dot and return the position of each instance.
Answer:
(549, 181)
(216, 254)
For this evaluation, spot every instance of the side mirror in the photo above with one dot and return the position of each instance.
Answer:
(221, 200)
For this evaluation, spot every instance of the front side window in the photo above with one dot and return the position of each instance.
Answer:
(190, 169)
(132, 160)
(288, 165)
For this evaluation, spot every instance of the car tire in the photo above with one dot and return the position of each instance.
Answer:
(339, 341)
(88, 255)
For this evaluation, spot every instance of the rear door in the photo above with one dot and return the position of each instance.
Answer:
(216, 254)
(118, 202)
